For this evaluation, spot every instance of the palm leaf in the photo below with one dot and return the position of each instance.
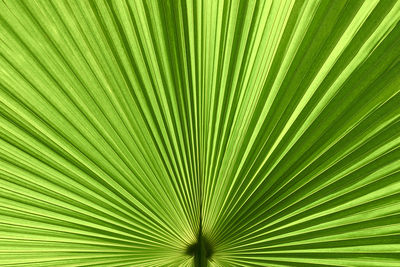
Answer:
(181, 133)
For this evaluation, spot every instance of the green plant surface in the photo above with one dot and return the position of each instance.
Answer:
(199, 133)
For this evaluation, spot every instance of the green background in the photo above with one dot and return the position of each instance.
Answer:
(130, 130)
